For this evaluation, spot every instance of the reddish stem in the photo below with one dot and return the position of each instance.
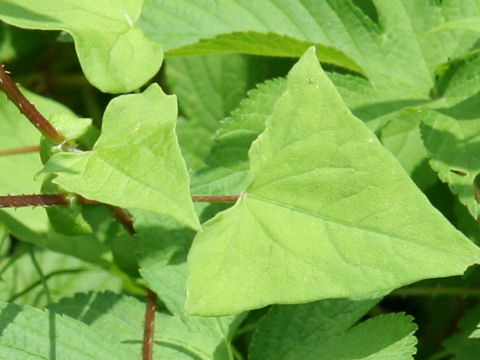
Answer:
(33, 200)
(21, 150)
(208, 198)
(124, 217)
(27, 108)
(149, 326)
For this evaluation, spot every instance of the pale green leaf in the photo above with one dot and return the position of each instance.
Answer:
(136, 162)
(453, 144)
(329, 213)
(29, 333)
(176, 337)
(112, 50)
(325, 330)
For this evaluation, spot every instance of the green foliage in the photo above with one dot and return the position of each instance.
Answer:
(108, 41)
(348, 130)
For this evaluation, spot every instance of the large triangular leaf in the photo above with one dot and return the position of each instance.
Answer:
(329, 213)
(108, 41)
(136, 162)
(324, 330)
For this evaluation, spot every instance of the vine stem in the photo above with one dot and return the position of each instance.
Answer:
(20, 150)
(17, 201)
(27, 108)
(61, 200)
(208, 198)
(149, 326)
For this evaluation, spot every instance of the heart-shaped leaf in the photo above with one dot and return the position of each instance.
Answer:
(329, 213)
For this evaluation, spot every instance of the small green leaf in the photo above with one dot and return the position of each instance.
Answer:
(112, 50)
(136, 162)
(29, 333)
(67, 220)
(325, 330)
(454, 146)
(329, 213)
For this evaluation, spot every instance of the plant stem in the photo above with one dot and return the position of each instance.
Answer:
(27, 108)
(40, 274)
(436, 291)
(124, 217)
(61, 200)
(149, 326)
(21, 150)
(208, 198)
(33, 200)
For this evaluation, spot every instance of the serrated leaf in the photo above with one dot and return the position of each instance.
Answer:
(453, 146)
(29, 333)
(269, 44)
(121, 319)
(208, 89)
(108, 41)
(328, 210)
(228, 165)
(325, 330)
(136, 163)
(395, 40)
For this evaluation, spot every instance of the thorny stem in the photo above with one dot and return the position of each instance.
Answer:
(33, 200)
(149, 326)
(61, 200)
(21, 150)
(123, 217)
(27, 108)
(208, 198)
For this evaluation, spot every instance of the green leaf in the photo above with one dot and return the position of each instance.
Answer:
(108, 41)
(162, 253)
(29, 333)
(65, 275)
(269, 44)
(120, 318)
(328, 210)
(325, 330)
(453, 144)
(464, 345)
(401, 136)
(67, 220)
(17, 43)
(228, 165)
(136, 162)
(18, 171)
(395, 40)
(208, 89)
